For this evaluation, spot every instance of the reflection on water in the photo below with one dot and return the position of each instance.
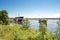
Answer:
(51, 24)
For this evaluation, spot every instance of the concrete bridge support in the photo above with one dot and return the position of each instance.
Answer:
(43, 25)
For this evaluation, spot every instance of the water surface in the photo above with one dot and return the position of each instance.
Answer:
(51, 24)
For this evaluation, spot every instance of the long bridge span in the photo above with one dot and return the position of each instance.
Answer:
(43, 18)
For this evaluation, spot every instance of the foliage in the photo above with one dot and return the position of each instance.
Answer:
(43, 30)
(4, 19)
(26, 23)
(18, 32)
(58, 29)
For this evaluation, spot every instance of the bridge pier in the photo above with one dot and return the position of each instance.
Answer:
(43, 25)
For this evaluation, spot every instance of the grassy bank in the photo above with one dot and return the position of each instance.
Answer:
(19, 32)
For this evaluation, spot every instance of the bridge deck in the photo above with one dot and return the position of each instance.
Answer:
(43, 18)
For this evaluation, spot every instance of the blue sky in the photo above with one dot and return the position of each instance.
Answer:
(31, 8)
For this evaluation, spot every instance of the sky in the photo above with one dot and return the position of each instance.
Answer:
(31, 8)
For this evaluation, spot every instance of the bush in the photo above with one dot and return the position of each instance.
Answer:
(17, 32)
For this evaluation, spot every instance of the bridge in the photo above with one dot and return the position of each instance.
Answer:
(19, 19)
(43, 18)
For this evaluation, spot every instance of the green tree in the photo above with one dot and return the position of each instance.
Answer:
(4, 17)
(26, 23)
(58, 29)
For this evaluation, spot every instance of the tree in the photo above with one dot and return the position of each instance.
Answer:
(26, 23)
(58, 29)
(4, 17)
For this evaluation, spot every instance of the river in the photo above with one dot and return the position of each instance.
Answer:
(51, 24)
